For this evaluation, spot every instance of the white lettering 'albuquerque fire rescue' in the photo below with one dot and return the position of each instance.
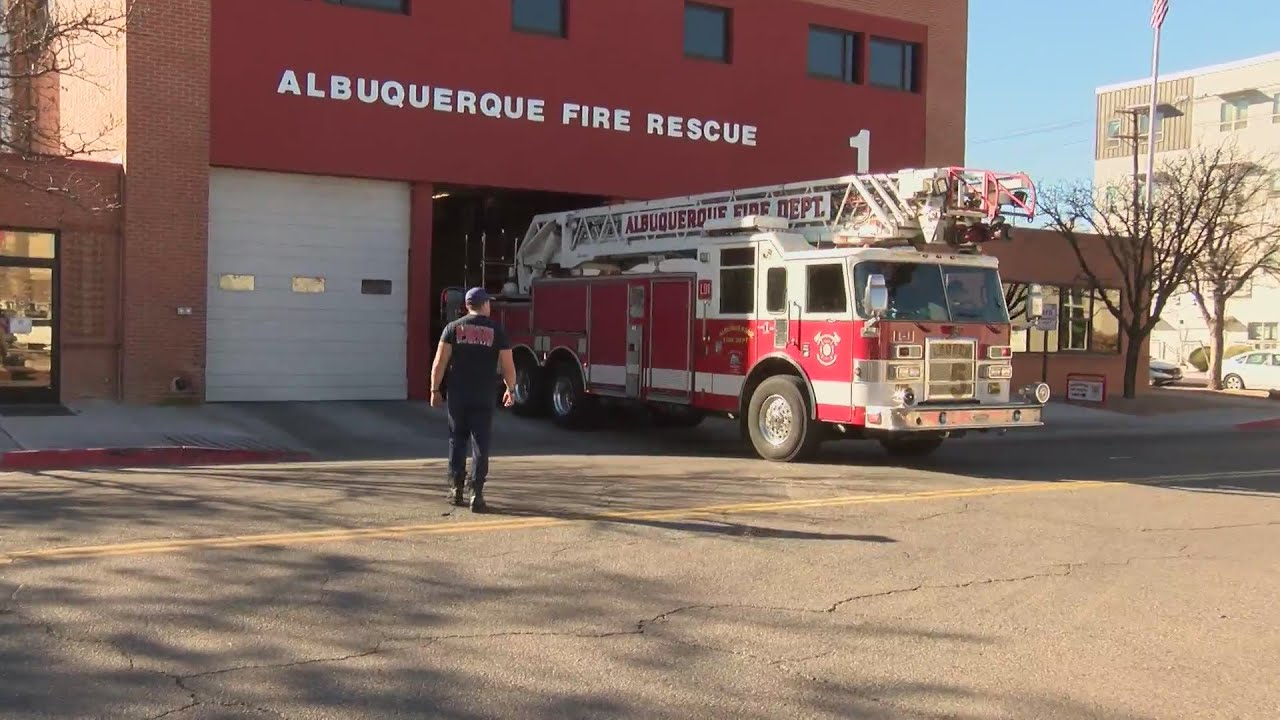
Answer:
(393, 93)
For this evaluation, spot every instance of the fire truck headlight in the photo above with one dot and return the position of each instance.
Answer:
(904, 397)
(999, 372)
(1040, 392)
(1043, 393)
(908, 352)
(907, 372)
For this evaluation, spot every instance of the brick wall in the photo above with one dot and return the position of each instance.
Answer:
(86, 215)
(1043, 256)
(166, 222)
(91, 110)
(946, 60)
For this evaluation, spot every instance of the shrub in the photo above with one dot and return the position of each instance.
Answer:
(1199, 358)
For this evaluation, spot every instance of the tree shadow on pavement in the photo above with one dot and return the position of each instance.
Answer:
(383, 631)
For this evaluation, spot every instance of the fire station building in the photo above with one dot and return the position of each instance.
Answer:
(300, 179)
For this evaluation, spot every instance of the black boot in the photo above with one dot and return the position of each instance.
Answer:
(457, 496)
(477, 498)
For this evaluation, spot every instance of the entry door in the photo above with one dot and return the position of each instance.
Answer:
(637, 322)
(670, 356)
(28, 317)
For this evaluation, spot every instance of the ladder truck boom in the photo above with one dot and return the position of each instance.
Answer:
(951, 206)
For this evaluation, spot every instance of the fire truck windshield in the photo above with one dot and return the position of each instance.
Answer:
(936, 293)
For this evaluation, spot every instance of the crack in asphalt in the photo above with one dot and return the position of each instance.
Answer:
(1211, 527)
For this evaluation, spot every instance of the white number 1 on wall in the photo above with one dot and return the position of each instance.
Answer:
(862, 143)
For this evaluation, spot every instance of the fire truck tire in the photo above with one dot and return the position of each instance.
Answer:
(531, 397)
(779, 422)
(911, 446)
(570, 404)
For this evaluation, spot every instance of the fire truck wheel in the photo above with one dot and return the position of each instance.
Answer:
(530, 395)
(911, 445)
(778, 420)
(569, 401)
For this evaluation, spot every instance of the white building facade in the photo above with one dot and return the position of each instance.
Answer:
(1237, 103)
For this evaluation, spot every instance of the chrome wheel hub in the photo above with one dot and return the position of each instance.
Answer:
(521, 392)
(562, 397)
(775, 420)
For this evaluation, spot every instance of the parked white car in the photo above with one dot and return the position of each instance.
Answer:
(1257, 370)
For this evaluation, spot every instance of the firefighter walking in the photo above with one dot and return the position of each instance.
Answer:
(471, 350)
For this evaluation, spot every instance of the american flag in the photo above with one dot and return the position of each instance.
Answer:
(1159, 9)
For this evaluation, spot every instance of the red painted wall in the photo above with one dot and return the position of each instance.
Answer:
(620, 54)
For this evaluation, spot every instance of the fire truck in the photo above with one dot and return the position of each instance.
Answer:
(852, 307)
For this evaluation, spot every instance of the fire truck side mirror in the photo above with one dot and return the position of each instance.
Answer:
(1035, 303)
(877, 299)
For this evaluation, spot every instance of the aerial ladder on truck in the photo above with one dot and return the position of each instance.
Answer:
(937, 213)
(952, 207)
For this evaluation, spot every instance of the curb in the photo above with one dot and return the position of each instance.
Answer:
(1272, 424)
(154, 457)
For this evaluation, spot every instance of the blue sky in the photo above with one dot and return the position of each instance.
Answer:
(1033, 68)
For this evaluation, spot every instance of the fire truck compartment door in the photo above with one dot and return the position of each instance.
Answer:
(669, 356)
(637, 309)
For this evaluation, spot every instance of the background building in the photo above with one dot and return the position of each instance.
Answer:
(302, 178)
(1237, 102)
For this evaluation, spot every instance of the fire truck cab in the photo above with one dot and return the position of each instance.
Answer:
(855, 307)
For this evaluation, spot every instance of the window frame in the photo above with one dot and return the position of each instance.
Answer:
(1236, 120)
(1032, 340)
(842, 270)
(1112, 133)
(851, 50)
(745, 269)
(769, 287)
(561, 33)
(360, 5)
(726, 17)
(908, 72)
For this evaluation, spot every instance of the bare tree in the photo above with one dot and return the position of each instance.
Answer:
(40, 48)
(1154, 248)
(1243, 244)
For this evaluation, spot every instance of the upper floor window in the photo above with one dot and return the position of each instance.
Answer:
(1144, 125)
(833, 54)
(1235, 115)
(544, 17)
(894, 64)
(1113, 134)
(397, 6)
(706, 32)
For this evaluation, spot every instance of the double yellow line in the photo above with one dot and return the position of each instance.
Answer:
(530, 523)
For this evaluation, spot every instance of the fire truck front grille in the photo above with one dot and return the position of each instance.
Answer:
(950, 370)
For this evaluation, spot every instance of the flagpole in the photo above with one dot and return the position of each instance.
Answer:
(1151, 118)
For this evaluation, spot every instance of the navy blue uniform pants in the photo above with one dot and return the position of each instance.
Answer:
(470, 429)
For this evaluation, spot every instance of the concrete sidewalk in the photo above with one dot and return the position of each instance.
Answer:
(107, 434)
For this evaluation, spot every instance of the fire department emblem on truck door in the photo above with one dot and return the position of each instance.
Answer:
(827, 344)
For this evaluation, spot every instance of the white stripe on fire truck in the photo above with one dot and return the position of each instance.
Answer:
(827, 392)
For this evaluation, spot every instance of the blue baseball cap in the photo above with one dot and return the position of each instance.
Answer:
(477, 296)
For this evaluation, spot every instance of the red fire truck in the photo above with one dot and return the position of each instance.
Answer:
(851, 307)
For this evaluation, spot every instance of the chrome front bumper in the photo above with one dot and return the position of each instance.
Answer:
(955, 417)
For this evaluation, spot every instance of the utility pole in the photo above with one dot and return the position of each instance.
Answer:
(1136, 137)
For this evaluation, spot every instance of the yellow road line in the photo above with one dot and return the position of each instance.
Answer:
(458, 528)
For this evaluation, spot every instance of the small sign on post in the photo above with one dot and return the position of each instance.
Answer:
(1049, 321)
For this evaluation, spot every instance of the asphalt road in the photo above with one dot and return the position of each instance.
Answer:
(1118, 578)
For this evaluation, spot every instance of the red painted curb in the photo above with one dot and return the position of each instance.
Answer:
(69, 459)
(1272, 424)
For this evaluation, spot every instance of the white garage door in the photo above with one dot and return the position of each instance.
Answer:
(307, 287)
